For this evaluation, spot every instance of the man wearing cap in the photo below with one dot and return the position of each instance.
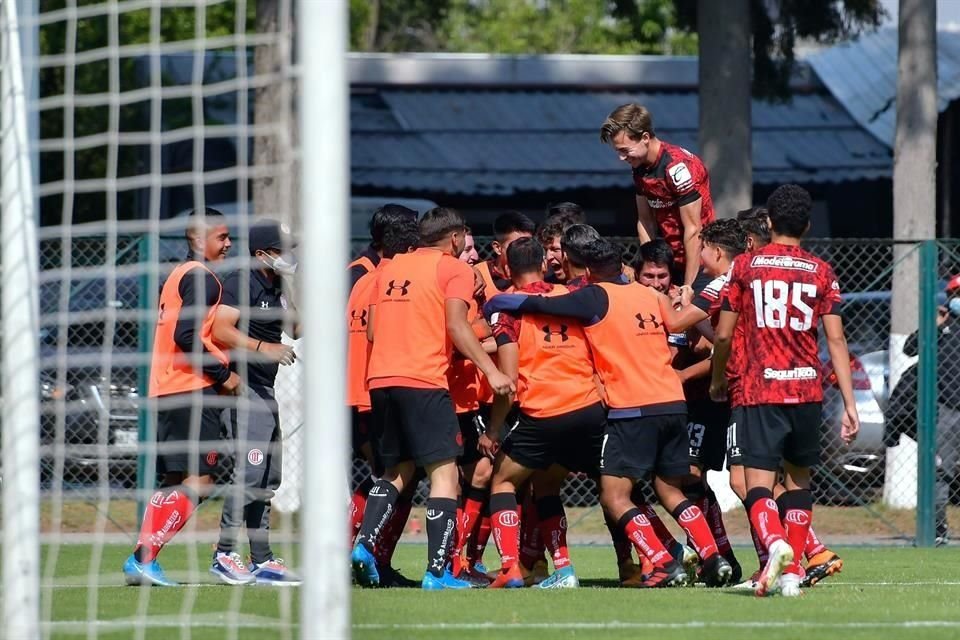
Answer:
(253, 313)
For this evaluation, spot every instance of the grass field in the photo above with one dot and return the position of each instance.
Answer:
(888, 592)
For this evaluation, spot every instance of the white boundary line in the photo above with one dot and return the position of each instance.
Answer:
(704, 624)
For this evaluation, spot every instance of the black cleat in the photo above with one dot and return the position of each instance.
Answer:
(737, 569)
(669, 575)
(716, 571)
(391, 578)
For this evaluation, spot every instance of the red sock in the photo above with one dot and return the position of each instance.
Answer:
(797, 508)
(711, 511)
(467, 518)
(640, 532)
(813, 546)
(358, 502)
(392, 531)
(762, 554)
(506, 528)
(766, 522)
(663, 534)
(482, 536)
(554, 532)
(690, 517)
(166, 513)
(531, 542)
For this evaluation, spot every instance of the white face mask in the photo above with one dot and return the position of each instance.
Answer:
(284, 264)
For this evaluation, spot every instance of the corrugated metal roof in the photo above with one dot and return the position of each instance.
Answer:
(862, 75)
(499, 142)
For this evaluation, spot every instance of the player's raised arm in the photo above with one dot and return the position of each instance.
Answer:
(646, 223)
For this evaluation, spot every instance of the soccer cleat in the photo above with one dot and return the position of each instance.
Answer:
(512, 578)
(716, 571)
(535, 576)
(274, 572)
(431, 582)
(480, 568)
(750, 583)
(824, 564)
(364, 567)
(669, 575)
(790, 585)
(475, 577)
(781, 555)
(149, 573)
(391, 578)
(688, 558)
(737, 569)
(563, 578)
(229, 568)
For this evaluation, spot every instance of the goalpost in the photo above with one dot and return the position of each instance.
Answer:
(149, 108)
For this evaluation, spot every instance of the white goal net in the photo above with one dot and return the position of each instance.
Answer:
(174, 452)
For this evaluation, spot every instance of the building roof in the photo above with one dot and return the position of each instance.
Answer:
(862, 75)
(444, 125)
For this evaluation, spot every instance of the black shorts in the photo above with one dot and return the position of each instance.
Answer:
(707, 423)
(191, 428)
(471, 428)
(414, 424)
(635, 447)
(572, 440)
(768, 434)
(734, 453)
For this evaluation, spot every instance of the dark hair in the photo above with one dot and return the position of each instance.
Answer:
(512, 222)
(754, 222)
(575, 238)
(525, 255)
(387, 216)
(603, 257)
(439, 222)
(789, 209)
(657, 251)
(202, 218)
(726, 234)
(551, 228)
(400, 236)
(570, 212)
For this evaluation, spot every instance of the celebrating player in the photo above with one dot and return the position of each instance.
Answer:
(782, 292)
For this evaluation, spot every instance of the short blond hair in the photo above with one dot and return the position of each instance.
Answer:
(632, 119)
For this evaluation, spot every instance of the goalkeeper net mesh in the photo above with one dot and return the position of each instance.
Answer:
(133, 113)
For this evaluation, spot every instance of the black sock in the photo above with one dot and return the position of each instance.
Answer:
(441, 530)
(381, 502)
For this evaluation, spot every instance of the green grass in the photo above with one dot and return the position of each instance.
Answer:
(886, 592)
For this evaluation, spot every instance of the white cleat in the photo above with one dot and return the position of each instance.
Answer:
(781, 555)
(748, 584)
(790, 585)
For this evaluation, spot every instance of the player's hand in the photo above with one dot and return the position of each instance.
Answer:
(489, 445)
(279, 353)
(231, 386)
(686, 295)
(718, 391)
(478, 285)
(501, 383)
(849, 424)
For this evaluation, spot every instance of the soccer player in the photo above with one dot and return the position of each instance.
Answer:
(673, 188)
(780, 293)
(383, 218)
(507, 227)
(469, 254)
(561, 420)
(254, 322)
(419, 316)
(402, 236)
(188, 373)
(646, 424)
(549, 234)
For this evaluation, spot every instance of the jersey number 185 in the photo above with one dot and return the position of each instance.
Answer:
(774, 299)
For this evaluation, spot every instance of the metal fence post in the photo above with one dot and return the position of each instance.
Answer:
(927, 395)
(145, 428)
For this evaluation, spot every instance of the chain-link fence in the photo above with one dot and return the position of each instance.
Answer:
(91, 294)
